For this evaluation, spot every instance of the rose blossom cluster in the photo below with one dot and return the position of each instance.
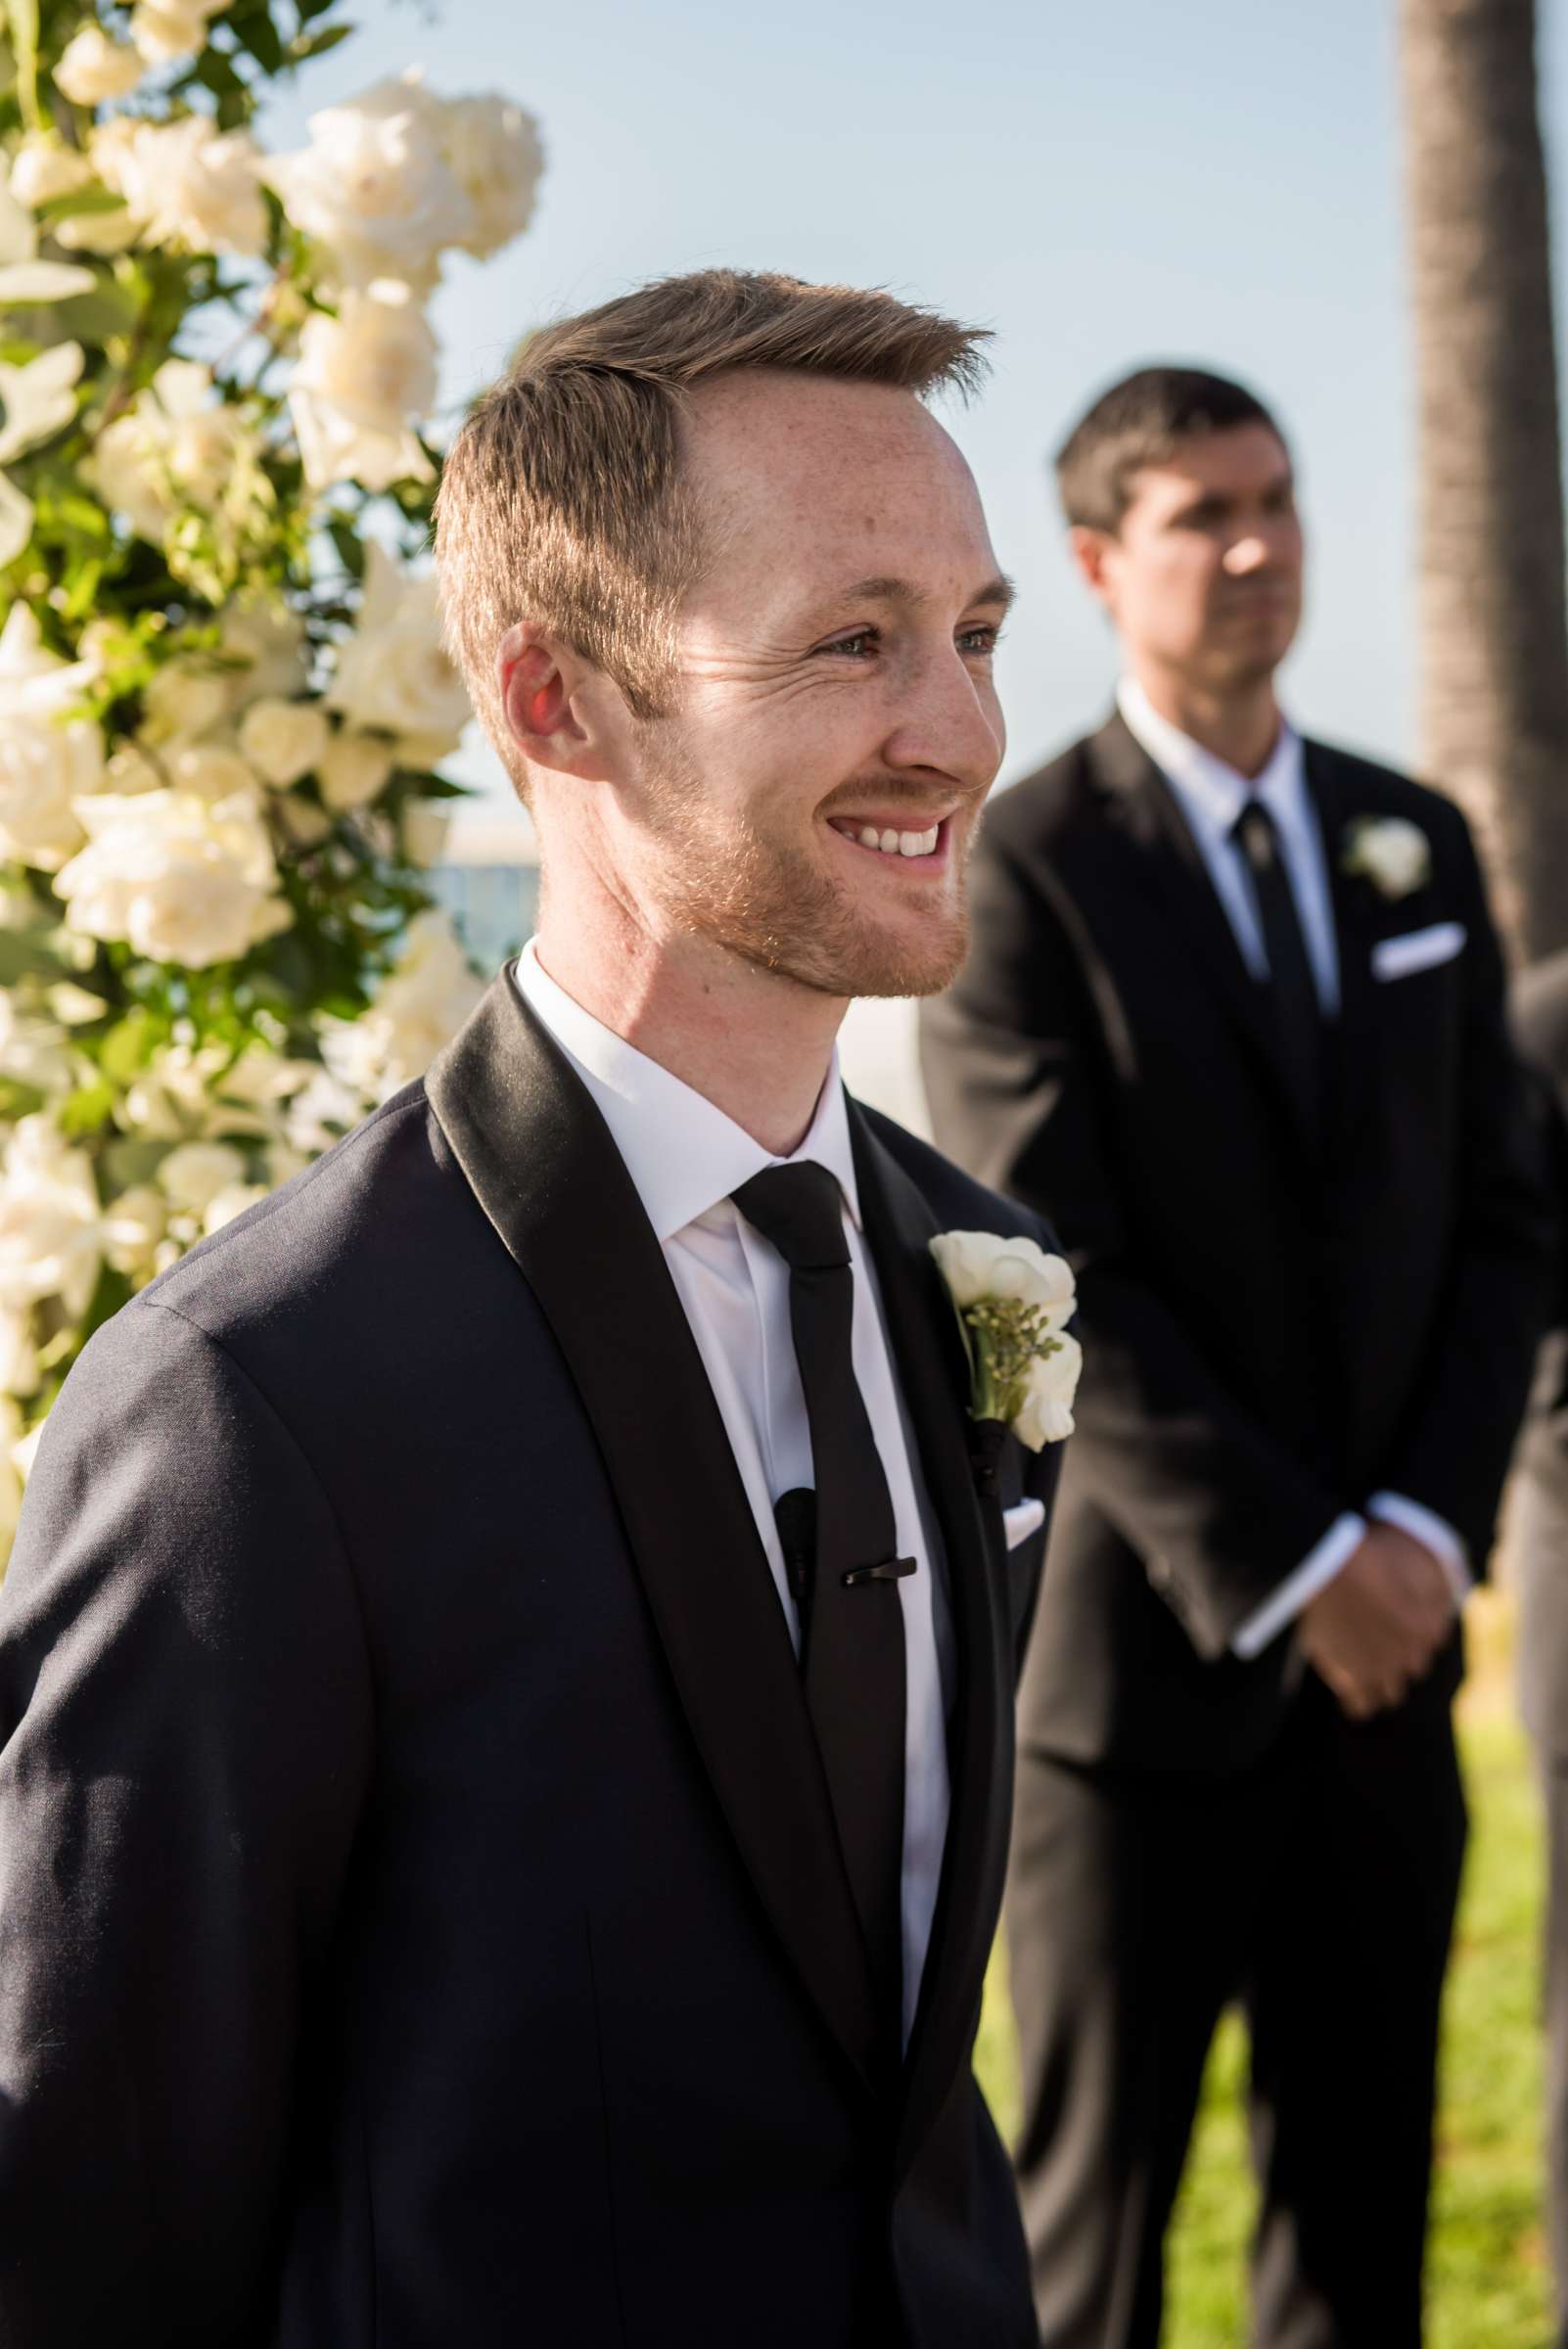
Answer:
(186, 792)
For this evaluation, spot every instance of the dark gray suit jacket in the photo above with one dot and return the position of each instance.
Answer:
(421, 1918)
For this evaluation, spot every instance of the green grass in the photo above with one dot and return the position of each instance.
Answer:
(1487, 2277)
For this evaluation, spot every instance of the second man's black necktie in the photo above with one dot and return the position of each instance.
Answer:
(1298, 1015)
(853, 1656)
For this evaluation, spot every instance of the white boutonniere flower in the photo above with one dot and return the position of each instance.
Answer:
(1388, 850)
(1014, 1302)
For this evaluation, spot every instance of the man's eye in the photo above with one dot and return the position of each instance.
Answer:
(983, 640)
(857, 646)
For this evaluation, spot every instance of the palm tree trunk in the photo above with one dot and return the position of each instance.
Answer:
(1494, 622)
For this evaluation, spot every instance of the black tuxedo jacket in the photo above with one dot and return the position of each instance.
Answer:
(1276, 1322)
(422, 1916)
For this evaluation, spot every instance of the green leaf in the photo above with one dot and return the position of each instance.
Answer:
(114, 1290)
(26, 954)
(85, 1109)
(129, 1045)
(128, 1163)
(24, 19)
(18, 1100)
(256, 32)
(317, 44)
(350, 546)
(77, 203)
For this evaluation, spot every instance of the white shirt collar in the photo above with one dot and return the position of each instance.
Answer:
(1209, 788)
(683, 1154)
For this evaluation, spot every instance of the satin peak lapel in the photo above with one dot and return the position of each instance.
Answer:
(932, 1372)
(541, 1161)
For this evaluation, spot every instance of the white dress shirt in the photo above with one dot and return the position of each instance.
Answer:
(685, 1158)
(1211, 797)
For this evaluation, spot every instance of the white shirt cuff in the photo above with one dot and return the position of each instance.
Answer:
(1315, 1573)
(1434, 1533)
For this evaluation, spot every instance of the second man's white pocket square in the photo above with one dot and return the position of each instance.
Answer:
(1024, 1518)
(1417, 950)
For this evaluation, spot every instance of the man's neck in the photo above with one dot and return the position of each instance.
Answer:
(756, 1045)
(1241, 727)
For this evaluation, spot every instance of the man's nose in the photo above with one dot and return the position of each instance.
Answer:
(1247, 555)
(947, 720)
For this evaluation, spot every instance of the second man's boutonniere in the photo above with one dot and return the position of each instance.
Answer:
(1388, 850)
(1014, 1302)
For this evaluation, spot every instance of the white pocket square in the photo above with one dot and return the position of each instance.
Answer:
(1417, 950)
(1024, 1518)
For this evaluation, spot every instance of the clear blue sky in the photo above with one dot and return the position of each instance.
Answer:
(1102, 182)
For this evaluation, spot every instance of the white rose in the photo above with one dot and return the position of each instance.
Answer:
(425, 826)
(283, 740)
(212, 774)
(75, 1007)
(12, 1443)
(354, 769)
(46, 758)
(193, 1176)
(1392, 854)
(362, 380)
(192, 187)
(306, 824)
(985, 1264)
(44, 167)
(109, 160)
(44, 767)
(183, 699)
(230, 1203)
(175, 443)
(394, 674)
(179, 880)
(322, 1112)
(419, 1009)
(495, 149)
(169, 1101)
(33, 1052)
(375, 187)
(166, 31)
(130, 770)
(25, 1450)
(50, 1225)
(133, 1225)
(93, 68)
(1046, 1416)
(269, 642)
(20, 1372)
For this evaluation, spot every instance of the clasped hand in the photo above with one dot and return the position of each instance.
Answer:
(1377, 1626)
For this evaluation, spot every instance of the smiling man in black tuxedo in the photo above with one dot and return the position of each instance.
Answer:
(465, 1878)
(1234, 1020)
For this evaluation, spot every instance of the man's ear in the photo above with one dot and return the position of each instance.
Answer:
(1090, 550)
(553, 702)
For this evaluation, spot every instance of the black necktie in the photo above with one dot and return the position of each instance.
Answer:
(1298, 1015)
(852, 1632)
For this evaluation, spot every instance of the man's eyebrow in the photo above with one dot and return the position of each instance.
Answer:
(888, 589)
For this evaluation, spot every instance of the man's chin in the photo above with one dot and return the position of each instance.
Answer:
(878, 966)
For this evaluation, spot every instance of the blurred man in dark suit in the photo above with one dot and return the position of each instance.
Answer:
(1541, 1528)
(1235, 1017)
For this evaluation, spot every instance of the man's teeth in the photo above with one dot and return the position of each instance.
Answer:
(899, 844)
